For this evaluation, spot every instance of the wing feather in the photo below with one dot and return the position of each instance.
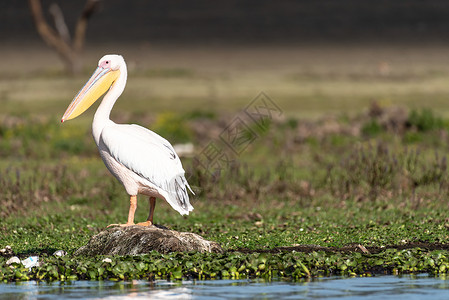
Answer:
(152, 157)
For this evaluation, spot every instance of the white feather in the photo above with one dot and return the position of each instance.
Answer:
(151, 157)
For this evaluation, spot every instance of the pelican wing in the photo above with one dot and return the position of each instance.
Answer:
(152, 157)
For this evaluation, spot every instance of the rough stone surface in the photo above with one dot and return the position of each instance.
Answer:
(134, 240)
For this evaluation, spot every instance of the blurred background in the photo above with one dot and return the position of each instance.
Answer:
(246, 21)
(312, 57)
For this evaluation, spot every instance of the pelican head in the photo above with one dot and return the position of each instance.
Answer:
(102, 79)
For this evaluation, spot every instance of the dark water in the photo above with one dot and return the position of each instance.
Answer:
(379, 287)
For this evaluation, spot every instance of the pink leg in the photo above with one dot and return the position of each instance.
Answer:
(149, 221)
(132, 210)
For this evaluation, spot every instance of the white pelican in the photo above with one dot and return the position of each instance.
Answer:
(144, 162)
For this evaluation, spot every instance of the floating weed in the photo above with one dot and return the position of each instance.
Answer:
(230, 265)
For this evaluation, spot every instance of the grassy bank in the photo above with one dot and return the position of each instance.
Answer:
(358, 187)
(333, 183)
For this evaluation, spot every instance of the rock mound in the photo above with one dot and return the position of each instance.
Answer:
(134, 240)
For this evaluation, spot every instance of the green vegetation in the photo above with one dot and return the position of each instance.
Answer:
(351, 174)
(176, 266)
(425, 120)
(299, 184)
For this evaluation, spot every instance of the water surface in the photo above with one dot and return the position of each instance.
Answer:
(378, 287)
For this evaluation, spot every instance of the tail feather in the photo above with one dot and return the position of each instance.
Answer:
(177, 195)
